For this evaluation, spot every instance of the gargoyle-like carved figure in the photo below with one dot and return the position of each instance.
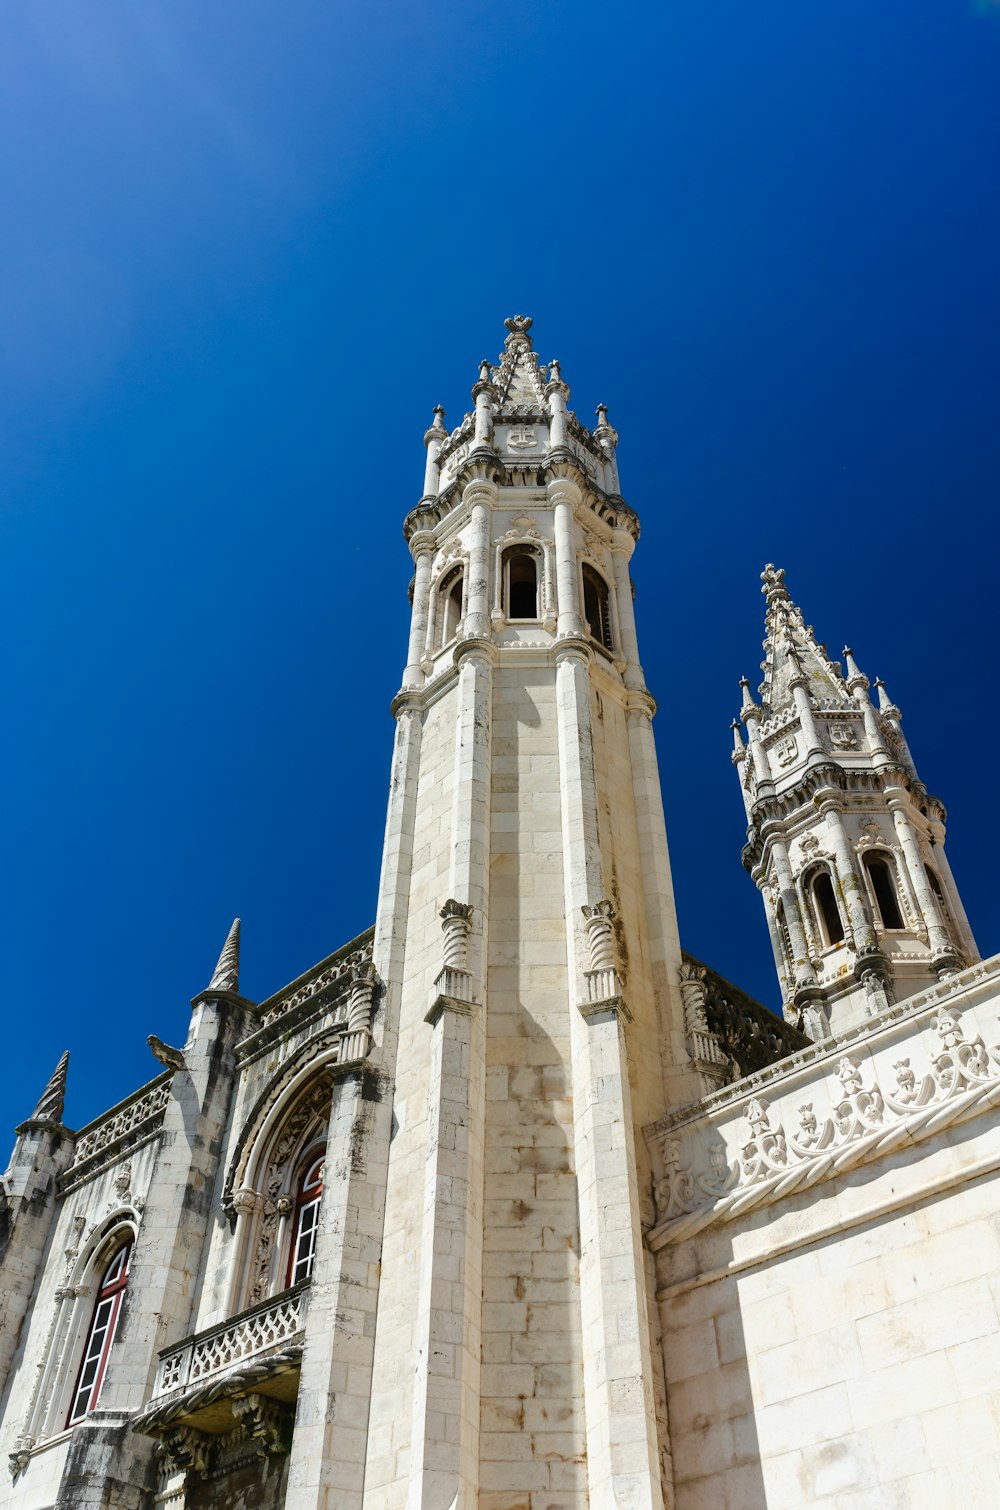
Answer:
(184, 1450)
(675, 1193)
(764, 1150)
(263, 1421)
(962, 1062)
(858, 1111)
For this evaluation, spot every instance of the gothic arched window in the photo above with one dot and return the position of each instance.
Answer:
(596, 606)
(450, 604)
(520, 583)
(305, 1218)
(100, 1334)
(882, 876)
(825, 909)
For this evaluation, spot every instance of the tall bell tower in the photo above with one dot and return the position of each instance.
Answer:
(844, 840)
(531, 1022)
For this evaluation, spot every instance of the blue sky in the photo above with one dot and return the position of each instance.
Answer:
(247, 247)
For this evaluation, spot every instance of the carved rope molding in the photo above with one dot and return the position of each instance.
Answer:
(962, 1080)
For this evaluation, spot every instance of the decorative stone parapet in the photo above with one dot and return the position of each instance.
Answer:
(919, 1067)
(123, 1128)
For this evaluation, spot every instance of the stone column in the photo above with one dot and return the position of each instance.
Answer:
(852, 890)
(422, 547)
(329, 1443)
(563, 496)
(623, 1464)
(444, 1463)
(807, 721)
(782, 964)
(479, 497)
(661, 914)
(943, 952)
(802, 971)
(621, 549)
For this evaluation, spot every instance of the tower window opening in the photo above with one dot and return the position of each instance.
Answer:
(100, 1335)
(883, 884)
(521, 584)
(306, 1218)
(827, 912)
(450, 603)
(596, 606)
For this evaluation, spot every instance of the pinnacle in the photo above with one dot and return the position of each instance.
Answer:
(791, 652)
(226, 976)
(53, 1097)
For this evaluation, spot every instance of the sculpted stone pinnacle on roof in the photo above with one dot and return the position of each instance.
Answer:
(791, 652)
(227, 971)
(53, 1097)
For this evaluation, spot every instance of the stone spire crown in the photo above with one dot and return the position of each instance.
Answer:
(519, 381)
(791, 653)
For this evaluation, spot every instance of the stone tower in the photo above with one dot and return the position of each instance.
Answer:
(844, 840)
(527, 939)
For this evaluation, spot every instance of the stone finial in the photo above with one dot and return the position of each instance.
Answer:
(53, 1097)
(749, 706)
(739, 748)
(773, 579)
(855, 677)
(885, 702)
(227, 972)
(437, 430)
(519, 325)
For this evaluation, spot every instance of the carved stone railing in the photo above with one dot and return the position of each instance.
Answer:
(249, 1335)
(123, 1128)
(730, 1035)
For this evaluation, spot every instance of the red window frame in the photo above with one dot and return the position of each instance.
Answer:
(100, 1334)
(305, 1217)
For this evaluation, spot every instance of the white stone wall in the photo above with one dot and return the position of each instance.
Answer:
(392, 1393)
(532, 1442)
(829, 1295)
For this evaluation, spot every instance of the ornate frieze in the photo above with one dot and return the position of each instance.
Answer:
(854, 1106)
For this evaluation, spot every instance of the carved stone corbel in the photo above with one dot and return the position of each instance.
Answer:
(264, 1421)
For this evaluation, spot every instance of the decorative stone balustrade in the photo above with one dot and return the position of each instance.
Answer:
(251, 1335)
(127, 1125)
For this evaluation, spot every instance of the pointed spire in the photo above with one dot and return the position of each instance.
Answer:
(53, 1097)
(227, 971)
(749, 706)
(885, 702)
(739, 748)
(855, 677)
(792, 656)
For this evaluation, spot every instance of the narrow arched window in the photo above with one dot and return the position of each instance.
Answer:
(596, 606)
(881, 874)
(101, 1334)
(450, 603)
(306, 1217)
(825, 908)
(520, 568)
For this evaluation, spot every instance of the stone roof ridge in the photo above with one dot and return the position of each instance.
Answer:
(791, 650)
(519, 379)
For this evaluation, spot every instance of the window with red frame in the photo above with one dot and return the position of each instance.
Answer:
(101, 1334)
(306, 1217)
